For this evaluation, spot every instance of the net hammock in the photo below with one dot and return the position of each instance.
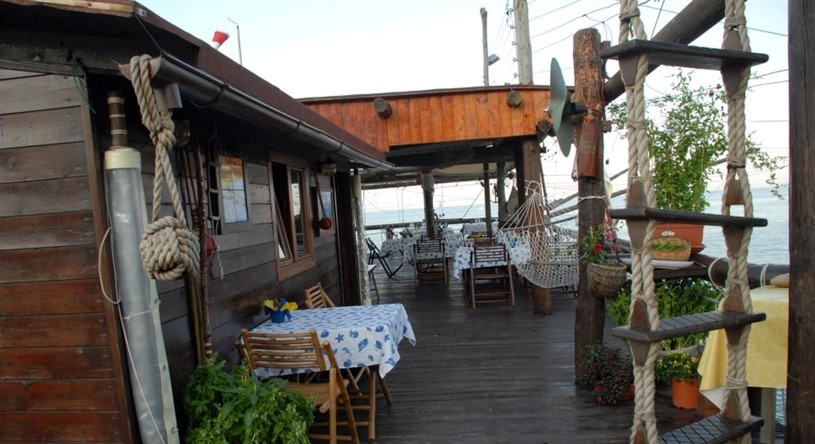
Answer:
(544, 253)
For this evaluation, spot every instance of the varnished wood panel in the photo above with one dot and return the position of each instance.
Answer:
(480, 113)
(62, 394)
(38, 92)
(48, 264)
(41, 127)
(52, 297)
(81, 330)
(74, 362)
(233, 241)
(45, 196)
(258, 193)
(49, 230)
(42, 162)
(66, 427)
(256, 174)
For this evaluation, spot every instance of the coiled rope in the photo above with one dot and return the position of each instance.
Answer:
(168, 247)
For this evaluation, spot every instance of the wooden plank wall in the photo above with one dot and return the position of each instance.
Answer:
(438, 116)
(61, 377)
(243, 272)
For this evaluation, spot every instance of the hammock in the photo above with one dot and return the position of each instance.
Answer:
(543, 253)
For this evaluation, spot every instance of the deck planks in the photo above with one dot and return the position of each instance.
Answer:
(493, 374)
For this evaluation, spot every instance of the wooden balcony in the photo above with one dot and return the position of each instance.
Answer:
(494, 374)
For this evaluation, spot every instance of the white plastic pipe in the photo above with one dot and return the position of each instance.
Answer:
(149, 373)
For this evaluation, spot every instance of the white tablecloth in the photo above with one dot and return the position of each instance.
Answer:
(519, 254)
(360, 335)
(395, 246)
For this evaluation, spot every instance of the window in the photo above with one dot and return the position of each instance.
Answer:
(233, 190)
(229, 210)
(292, 216)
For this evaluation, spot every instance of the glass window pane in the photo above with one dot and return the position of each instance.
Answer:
(297, 206)
(233, 190)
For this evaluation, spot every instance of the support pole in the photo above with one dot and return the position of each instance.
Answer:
(428, 187)
(487, 200)
(529, 147)
(362, 246)
(500, 188)
(800, 353)
(590, 310)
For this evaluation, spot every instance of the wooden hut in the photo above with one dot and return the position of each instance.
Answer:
(64, 369)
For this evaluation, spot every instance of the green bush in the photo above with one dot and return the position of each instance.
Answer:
(233, 407)
(607, 372)
(676, 298)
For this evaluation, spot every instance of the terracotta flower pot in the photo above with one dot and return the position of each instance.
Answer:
(691, 233)
(685, 394)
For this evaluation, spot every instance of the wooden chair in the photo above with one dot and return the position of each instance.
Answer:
(316, 297)
(488, 282)
(434, 266)
(292, 351)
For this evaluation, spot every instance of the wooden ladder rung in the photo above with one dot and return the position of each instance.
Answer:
(645, 213)
(676, 54)
(711, 430)
(687, 325)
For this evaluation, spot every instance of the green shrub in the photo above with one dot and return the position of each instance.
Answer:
(607, 372)
(229, 408)
(676, 298)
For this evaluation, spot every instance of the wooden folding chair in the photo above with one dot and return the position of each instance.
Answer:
(490, 277)
(316, 297)
(297, 351)
(429, 260)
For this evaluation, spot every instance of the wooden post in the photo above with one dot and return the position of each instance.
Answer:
(800, 353)
(484, 47)
(590, 310)
(530, 150)
(427, 190)
(487, 200)
(500, 186)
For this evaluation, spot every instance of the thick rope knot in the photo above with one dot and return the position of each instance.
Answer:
(736, 383)
(168, 249)
(629, 14)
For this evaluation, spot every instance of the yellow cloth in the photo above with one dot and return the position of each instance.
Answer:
(766, 346)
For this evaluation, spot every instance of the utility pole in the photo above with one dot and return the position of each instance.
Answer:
(530, 151)
(238, 28)
(484, 45)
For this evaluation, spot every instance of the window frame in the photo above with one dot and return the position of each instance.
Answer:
(297, 263)
(222, 226)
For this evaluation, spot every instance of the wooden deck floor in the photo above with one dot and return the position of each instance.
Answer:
(493, 375)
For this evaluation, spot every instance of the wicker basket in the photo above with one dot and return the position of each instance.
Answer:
(681, 251)
(605, 281)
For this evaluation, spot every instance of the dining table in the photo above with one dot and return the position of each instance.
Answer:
(766, 356)
(359, 335)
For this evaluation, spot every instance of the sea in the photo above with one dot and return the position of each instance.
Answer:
(768, 245)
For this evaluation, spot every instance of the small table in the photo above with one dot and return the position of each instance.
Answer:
(766, 355)
(359, 335)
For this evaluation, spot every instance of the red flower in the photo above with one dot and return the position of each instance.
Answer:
(597, 248)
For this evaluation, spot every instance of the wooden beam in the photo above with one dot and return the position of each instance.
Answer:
(800, 353)
(687, 26)
(590, 310)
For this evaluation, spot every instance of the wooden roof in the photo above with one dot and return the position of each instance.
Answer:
(441, 128)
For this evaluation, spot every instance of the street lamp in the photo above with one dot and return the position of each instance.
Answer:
(240, 54)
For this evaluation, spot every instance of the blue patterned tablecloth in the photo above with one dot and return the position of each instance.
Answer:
(360, 335)
(518, 254)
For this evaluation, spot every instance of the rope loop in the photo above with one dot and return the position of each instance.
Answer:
(734, 22)
(736, 383)
(629, 14)
(168, 248)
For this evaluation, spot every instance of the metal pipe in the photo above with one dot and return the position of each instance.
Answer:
(149, 372)
(208, 90)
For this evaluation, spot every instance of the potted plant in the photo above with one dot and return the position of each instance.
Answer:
(608, 373)
(235, 407)
(681, 369)
(278, 311)
(605, 278)
(686, 144)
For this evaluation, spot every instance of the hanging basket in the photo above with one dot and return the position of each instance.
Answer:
(605, 281)
(670, 248)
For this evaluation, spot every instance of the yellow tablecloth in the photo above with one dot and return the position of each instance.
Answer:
(766, 347)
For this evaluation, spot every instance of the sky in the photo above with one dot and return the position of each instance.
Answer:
(317, 48)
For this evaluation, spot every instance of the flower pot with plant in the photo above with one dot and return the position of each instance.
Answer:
(605, 278)
(687, 143)
(278, 311)
(682, 370)
(608, 373)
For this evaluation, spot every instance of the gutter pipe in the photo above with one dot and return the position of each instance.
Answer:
(208, 90)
